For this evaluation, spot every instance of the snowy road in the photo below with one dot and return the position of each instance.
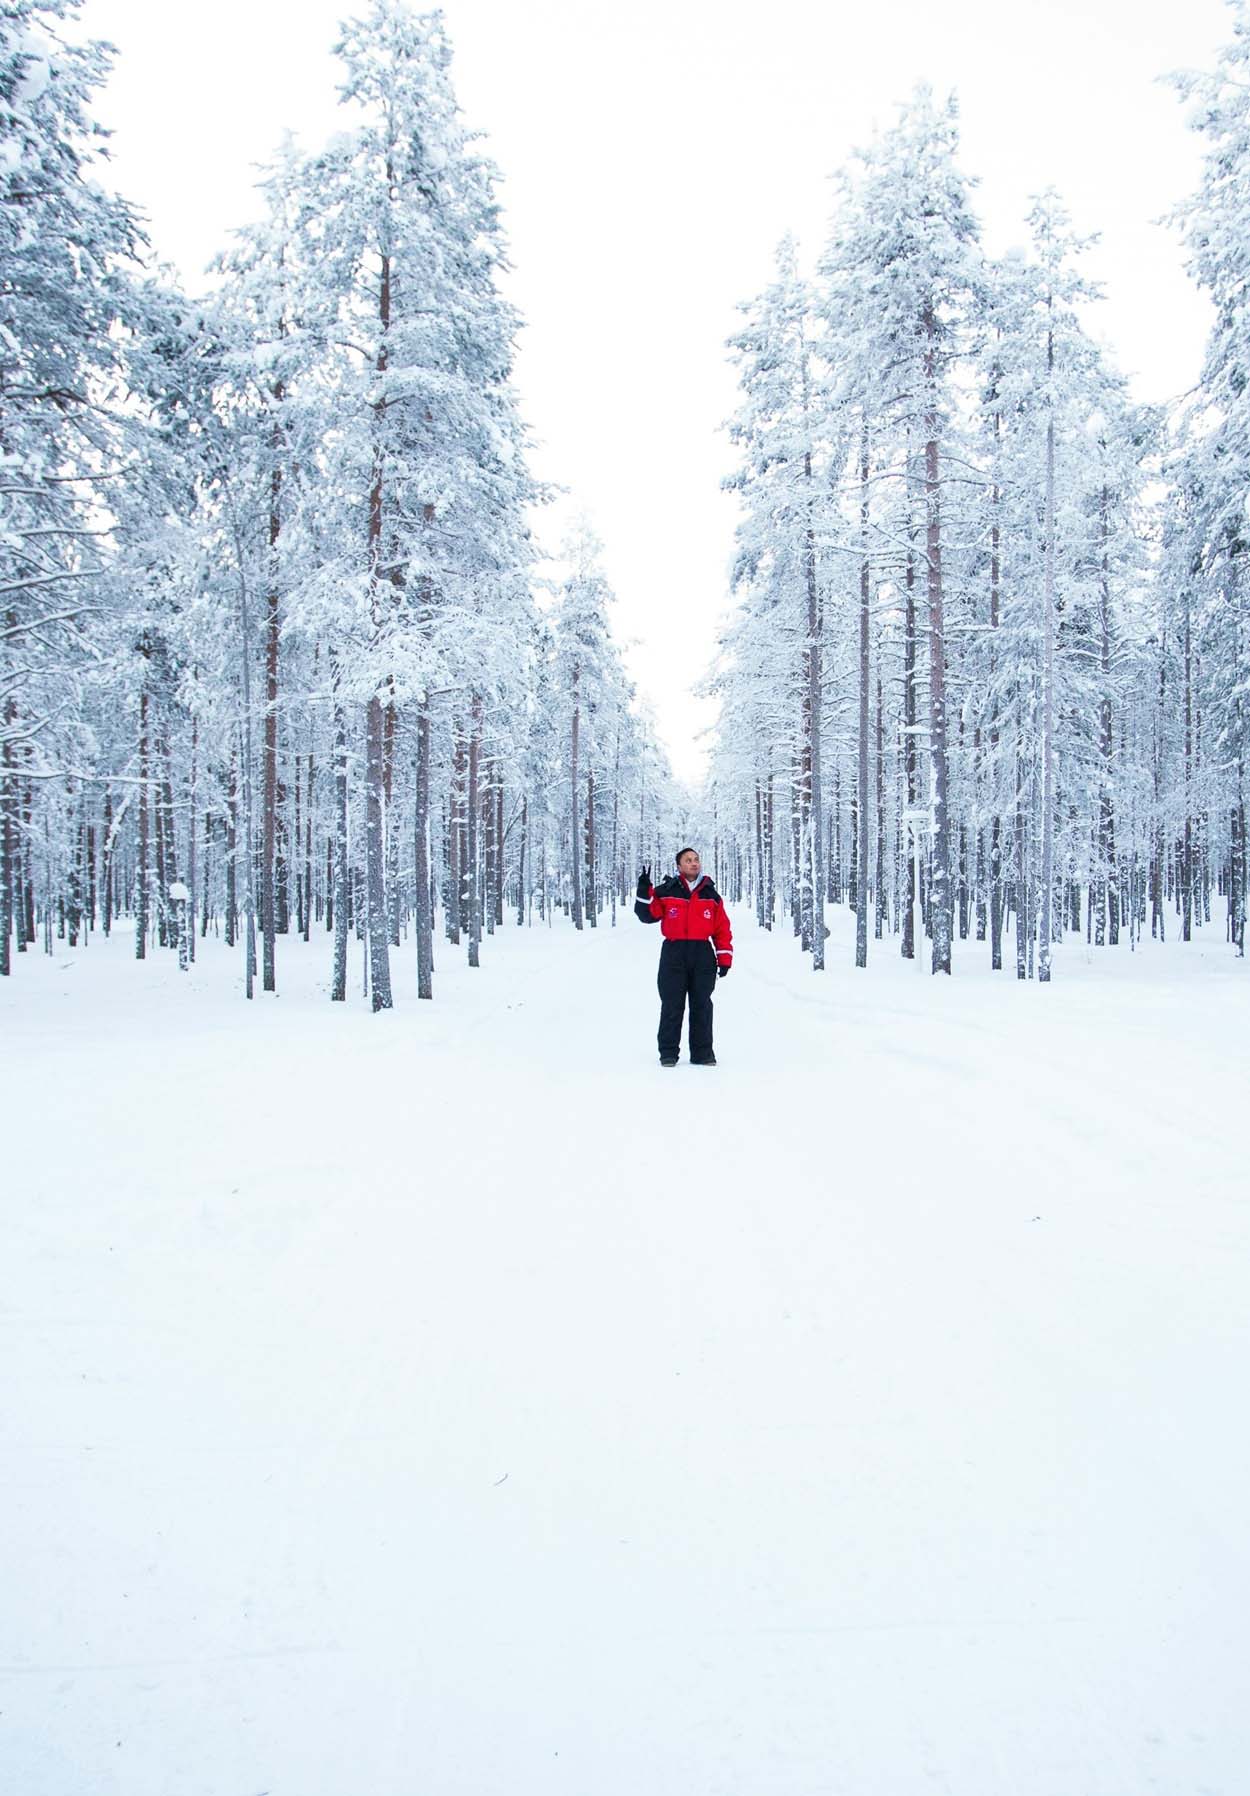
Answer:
(453, 1402)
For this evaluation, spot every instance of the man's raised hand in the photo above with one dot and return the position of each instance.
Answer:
(644, 883)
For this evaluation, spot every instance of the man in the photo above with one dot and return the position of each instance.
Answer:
(697, 950)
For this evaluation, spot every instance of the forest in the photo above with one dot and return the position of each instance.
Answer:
(446, 1397)
(279, 658)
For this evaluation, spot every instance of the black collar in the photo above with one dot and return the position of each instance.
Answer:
(675, 887)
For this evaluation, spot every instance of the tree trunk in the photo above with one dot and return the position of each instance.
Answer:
(232, 851)
(1047, 893)
(591, 893)
(160, 893)
(106, 870)
(421, 869)
(27, 877)
(340, 903)
(575, 805)
(193, 838)
(1237, 870)
(170, 873)
(522, 853)
(879, 909)
(376, 723)
(299, 836)
(1187, 857)
(1156, 854)
(1108, 875)
(390, 725)
(1022, 871)
(8, 841)
(911, 922)
(269, 822)
(616, 876)
(770, 855)
(759, 855)
(861, 792)
(940, 876)
(308, 849)
(996, 824)
(489, 847)
(206, 874)
(249, 792)
(835, 839)
(798, 912)
(473, 882)
(141, 864)
(499, 845)
(375, 858)
(457, 851)
(815, 724)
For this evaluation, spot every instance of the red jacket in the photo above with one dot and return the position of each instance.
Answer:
(686, 916)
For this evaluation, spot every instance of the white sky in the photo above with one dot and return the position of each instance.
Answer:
(653, 154)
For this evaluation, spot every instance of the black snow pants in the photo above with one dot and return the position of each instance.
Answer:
(687, 971)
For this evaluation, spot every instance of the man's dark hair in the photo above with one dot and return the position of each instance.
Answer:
(682, 851)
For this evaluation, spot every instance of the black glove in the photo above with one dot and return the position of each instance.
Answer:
(722, 972)
(644, 883)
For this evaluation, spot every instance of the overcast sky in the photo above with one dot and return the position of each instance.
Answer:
(653, 154)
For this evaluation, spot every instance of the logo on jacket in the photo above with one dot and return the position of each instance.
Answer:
(672, 910)
(707, 913)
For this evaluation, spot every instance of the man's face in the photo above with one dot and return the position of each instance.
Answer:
(688, 865)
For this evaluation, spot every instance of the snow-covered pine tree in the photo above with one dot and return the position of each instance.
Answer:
(782, 484)
(901, 282)
(421, 479)
(1065, 452)
(584, 667)
(68, 249)
(1211, 475)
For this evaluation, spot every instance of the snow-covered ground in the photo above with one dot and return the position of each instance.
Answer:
(454, 1403)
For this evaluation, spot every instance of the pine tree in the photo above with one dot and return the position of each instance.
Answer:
(902, 277)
